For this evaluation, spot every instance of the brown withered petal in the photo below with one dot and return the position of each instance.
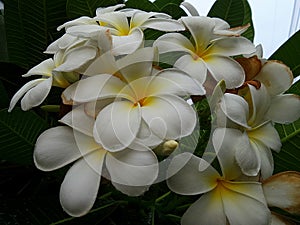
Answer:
(251, 65)
(282, 190)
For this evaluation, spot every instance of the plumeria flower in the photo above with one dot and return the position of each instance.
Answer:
(148, 107)
(131, 171)
(244, 120)
(206, 54)
(127, 36)
(225, 198)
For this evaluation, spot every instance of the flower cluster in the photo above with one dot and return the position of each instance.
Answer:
(127, 108)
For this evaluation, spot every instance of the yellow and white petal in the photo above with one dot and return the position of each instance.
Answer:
(94, 88)
(282, 191)
(244, 203)
(185, 177)
(201, 28)
(174, 42)
(194, 68)
(235, 108)
(225, 68)
(76, 58)
(127, 44)
(44, 69)
(79, 189)
(118, 20)
(227, 142)
(168, 116)
(78, 120)
(137, 64)
(276, 76)
(231, 46)
(267, 135)
(284, 108)
(117, 125)
(36, 95)
(133, 167)
(57, 147)
(208, 210)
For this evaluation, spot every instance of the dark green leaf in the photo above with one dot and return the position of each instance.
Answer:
(3, 44)
(162, 3)
(235, 12)
(295, 88)
(76, 8)
(30, 28)
(173, 10)
(289, 156)
(4, 101)
(142, 4)
(289, 53)
(18, 133)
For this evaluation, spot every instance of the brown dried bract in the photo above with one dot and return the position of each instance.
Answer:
(251, 66)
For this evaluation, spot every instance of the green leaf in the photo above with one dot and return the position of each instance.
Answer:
(289, 53)
(295, 88)
(162, 3)
(289, 156)
(3, 44)
(30, 28)
(236, 13)
(76, 8)
(18, 133)
(142, 4)
(173, 10)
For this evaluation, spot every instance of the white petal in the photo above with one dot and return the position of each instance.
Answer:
(169, 117)
(235, 108)
(190, 8)
(83, 20)
(185, 177)
(79, 189)
(194, 68)
(133, 167)
(29, 85)
(282, 191)
(137, 64)
(86, 31)
(127, 44)
(226, 142)
(163, 24)
(231, 46)
(44, 68)
(36, 95)
(116, 19)
(76, 58)
(62, 43)
(172, 81)
(208, 210)
(201, 28)
(242, 207)
(57, 147)
(147, 137)
(92, 109)
(276, 76)
(284, 108)
(225, 68)
(268, 135)
(94, 88)
(79, 120)
(173, 42)
(248, 156)
(117, 125)
(102, 10)
(104, 64)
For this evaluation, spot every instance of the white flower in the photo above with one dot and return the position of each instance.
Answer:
(225, 199)
(148, 107)
(206, 53)
(253, 133)
(131, 171)
(127, 36)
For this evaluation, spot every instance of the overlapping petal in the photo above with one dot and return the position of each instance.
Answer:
(117, 125)
(79, 189)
